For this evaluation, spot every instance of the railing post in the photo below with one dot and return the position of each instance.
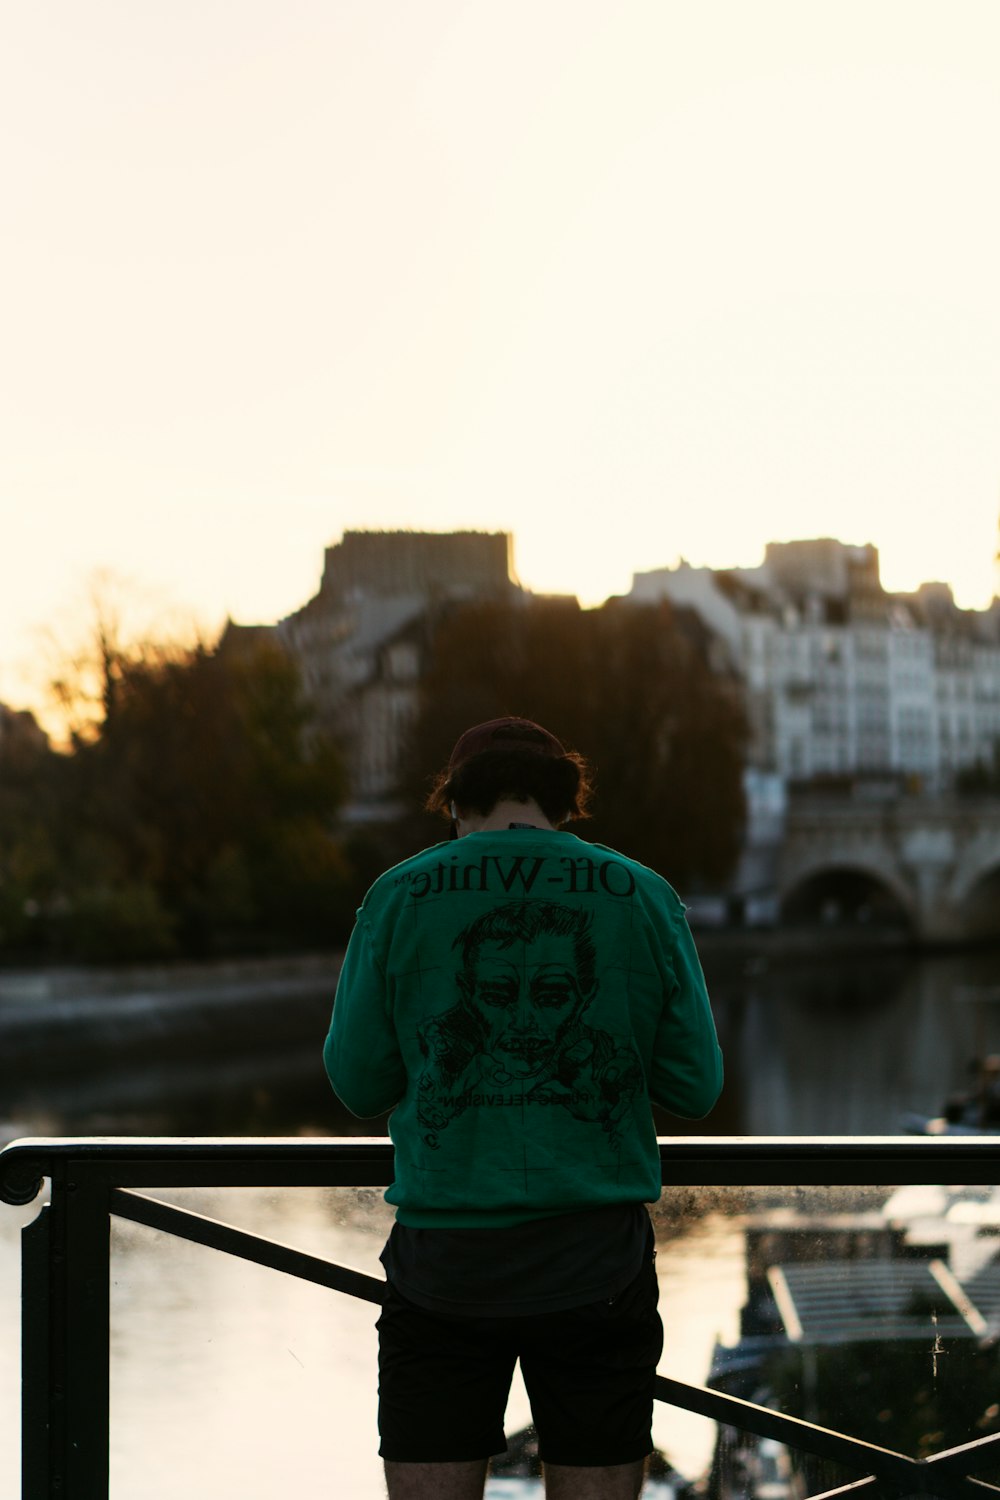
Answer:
(36, 1375)
(88, 1335)
(66, 1341)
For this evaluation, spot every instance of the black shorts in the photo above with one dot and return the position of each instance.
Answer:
(589, 1373)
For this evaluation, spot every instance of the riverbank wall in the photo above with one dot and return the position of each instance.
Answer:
(135, 1035)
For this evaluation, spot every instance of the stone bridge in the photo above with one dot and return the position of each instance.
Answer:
(931, 863)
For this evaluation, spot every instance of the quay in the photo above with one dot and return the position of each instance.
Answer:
(139, 1035)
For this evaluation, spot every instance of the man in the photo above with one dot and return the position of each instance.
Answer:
(519, 998)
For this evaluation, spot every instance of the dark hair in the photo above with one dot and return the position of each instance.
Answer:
(560, 784)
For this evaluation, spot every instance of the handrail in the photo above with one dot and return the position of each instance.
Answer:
(66, 1265)
(366, 1161)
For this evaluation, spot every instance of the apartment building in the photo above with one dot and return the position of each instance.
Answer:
(843, 679)
(360, 642)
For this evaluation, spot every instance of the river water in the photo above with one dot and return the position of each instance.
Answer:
(230, 1380)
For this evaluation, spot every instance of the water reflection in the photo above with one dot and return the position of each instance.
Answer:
(851, 1045)
(814, 1044)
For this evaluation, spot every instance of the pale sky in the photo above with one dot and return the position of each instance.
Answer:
(632, 280)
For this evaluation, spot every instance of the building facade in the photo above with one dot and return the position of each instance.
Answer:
(360, 644)
(842, 679)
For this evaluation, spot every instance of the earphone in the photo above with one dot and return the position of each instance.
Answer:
(454, 813)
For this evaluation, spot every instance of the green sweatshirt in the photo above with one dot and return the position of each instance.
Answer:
(518, 998)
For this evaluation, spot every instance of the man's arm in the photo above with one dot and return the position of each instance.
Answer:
(687, 1059)
(361, 1053)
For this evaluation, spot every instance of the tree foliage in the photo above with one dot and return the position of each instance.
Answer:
(29, 816)
(628, 687)
(194, 817)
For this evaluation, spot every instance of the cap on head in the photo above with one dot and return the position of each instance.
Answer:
(502, 734)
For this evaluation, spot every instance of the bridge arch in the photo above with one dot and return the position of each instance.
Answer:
(847, 890)
(936, 858)
(975, 895)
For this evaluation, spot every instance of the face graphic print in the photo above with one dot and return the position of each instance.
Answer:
(527, 976)
(527, 996)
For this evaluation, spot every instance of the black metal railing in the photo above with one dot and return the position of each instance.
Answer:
(66, 1280)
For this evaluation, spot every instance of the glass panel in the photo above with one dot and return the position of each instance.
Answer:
(871, 1310)
(230, 1379)
(700, 1267)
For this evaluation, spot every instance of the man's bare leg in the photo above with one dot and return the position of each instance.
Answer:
(617, 1482)
(461, 1481)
